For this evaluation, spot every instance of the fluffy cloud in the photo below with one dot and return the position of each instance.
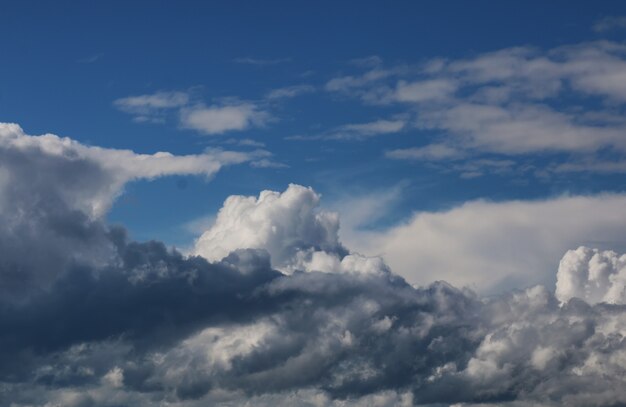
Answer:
(285, 224)
(592, 275)
(220, 119)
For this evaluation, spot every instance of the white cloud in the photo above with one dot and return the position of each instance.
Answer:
(151, 107)
(357, 131)
(290, 91)
(424, 91)
(593, 276)
(119, 166)
(284, 224)
(609, 23)
(261, 61)
(514, 101)
(229, 115)
(496, 245)
(217, 119)
(429, 152)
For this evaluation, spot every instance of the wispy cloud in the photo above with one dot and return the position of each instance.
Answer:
(91, 58)
(430, 152)
(515, 101)
(357, 131)
(218, 119)
(289, 92)
(261, 61)
(610, 23)
(151, 107)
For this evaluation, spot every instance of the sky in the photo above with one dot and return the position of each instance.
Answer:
(183, 184)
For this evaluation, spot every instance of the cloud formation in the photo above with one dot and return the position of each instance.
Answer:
(512, 102)
(228, 115)
(592, 275)
(492, 246)
(119, 322)
(54, 191)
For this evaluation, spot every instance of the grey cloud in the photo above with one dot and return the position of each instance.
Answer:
(141, 324)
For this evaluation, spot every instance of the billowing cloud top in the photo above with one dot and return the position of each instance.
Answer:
(285, 224)
(90, 318)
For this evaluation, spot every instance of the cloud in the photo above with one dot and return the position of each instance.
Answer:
(290, 92)
(230, 115)
(220, 119)
(54, 192)
(493, 246)
(262, 61)
(592, 275)
(429, 152)
(514, 101)
(609, 23)
(145, 324)
(151, 107)
(284, 224)
(357, 131)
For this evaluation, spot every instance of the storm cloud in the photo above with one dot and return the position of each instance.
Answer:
(285, 316)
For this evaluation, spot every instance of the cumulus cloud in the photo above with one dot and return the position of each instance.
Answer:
(54, 191)
(592, 275)
(132, 323)
(285, 224)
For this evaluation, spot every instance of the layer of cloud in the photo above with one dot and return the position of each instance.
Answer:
(515, 101)
(54, 190)
(119, 322)
(495, 245)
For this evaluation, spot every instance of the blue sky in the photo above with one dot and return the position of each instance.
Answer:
(328, 91)
(339, 204)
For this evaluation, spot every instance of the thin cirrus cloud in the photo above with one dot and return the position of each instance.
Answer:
(511, 102)
(357, 131)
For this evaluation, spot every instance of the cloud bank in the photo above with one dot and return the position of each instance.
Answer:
(110, 322)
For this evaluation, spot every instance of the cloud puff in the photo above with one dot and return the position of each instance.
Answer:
(284, 224)
(220, 119)
(592, 275)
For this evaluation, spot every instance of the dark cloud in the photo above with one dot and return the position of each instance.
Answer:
(89, 318)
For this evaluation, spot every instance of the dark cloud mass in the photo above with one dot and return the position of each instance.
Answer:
(89, 318)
